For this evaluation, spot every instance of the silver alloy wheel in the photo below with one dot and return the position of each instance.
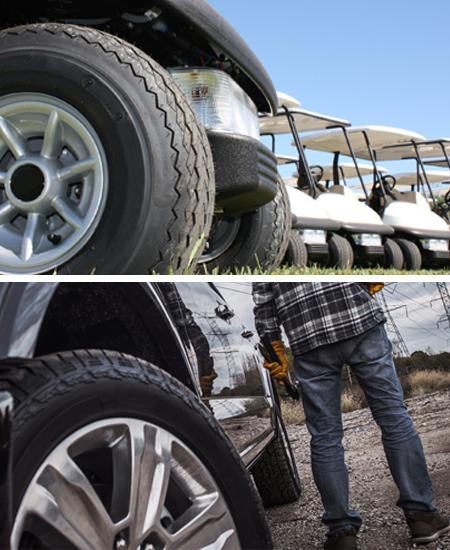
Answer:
(158, 494)
(53, 182)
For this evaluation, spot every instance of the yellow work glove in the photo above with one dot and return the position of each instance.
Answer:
(374, 288)
(280, 370)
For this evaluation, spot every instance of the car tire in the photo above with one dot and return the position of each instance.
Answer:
(80, 417)
(297, 253)
(393, 255)
(257, 241)
(150, 166)
(341, 254)
(275, 474)
(411, 253)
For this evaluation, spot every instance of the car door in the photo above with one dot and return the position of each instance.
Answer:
(228, 365)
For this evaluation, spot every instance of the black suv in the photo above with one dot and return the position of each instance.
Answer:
(129, 141)
(138, 412)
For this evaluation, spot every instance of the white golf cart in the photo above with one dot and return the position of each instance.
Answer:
(352, 229)
(415, 226)
(314, 236)
(428, 228)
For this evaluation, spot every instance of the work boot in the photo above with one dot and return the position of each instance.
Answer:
(426, 527)
(344, 539)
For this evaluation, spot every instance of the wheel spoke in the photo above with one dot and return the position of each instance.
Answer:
(2, 178)
(53, 137)
(151, 454)
(64, 498)
(6, 211)
(77, 170)
(67, 212)
(205, 523)
(15, 142)
(32, 235)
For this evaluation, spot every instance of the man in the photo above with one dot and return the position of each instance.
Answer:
(330, 325)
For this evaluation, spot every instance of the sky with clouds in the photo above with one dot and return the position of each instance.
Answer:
(416, 307)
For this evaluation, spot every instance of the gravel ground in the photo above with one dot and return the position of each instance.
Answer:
(298, 526)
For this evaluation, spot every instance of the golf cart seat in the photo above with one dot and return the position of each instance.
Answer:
(343, 190)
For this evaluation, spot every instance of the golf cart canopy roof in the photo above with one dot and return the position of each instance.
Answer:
(348, 170)
(442, 162)
(427, 149)
(434, 176)
(286, 100)
(333, 141)
(305, 121)
(286, 159)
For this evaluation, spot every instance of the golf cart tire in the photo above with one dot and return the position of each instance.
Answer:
(261, 239)
(57, 395)
(393, 255)
(411, 253)
(275, 473)
(297, 253)
(160, 185)
(341, 254)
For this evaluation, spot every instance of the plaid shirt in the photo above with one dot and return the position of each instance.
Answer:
(314, 314)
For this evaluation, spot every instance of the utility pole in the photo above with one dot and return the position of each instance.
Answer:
(400, 349)
(445, 296)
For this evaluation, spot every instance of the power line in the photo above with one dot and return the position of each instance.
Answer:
(400, 349)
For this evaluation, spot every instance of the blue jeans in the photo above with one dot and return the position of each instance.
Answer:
(319, 373)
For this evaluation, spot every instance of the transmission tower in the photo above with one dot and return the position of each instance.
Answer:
(400, 349)
(445, 295)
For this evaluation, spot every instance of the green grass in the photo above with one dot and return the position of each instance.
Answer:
(311, 271)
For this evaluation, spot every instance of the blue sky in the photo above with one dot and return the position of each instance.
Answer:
(372, 62)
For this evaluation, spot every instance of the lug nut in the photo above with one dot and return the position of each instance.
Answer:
(54, 238)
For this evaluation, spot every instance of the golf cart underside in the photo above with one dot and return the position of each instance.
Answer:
(173, 32)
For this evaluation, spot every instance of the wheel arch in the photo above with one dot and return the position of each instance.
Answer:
(45, 318)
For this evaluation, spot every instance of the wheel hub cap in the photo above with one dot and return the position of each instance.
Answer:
(53, 182)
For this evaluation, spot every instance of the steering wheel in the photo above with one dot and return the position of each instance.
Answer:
(389, 183)
(447, 199)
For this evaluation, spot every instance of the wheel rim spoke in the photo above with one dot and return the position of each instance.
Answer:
(151, 454)
(2, 178)
(6, 211)
(15, 142)
(32, 235)
(60, 504)
(53, 137)
(205, 522)
(67, 213)
(70, 174)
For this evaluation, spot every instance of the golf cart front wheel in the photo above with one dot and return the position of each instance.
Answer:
(393, 255)
(257, 240)
(104, 167)
(297, 253)
(341, 254)
(411, 253)
(94, 468)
